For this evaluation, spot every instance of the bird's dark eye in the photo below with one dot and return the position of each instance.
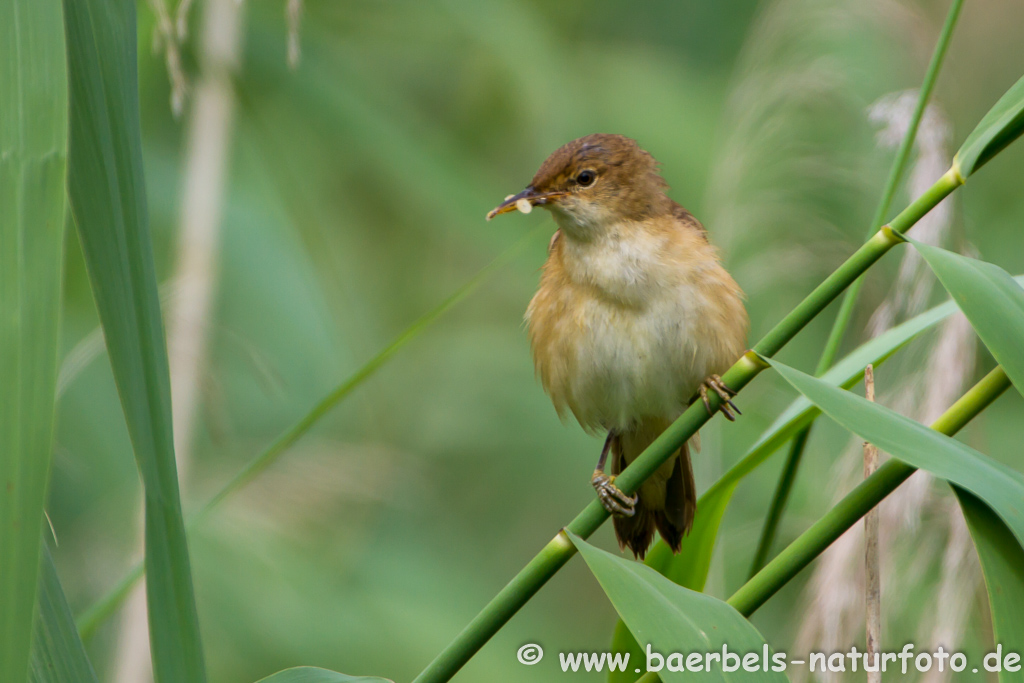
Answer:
(586, 178)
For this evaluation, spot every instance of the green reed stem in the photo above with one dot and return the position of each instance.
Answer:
(859, 502)
(103, 608)
(780, 498)
(842, 322)
(559, 550)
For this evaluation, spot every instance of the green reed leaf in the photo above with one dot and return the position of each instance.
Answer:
(859, 501)
(1000, 487)
(33, 153)
(1001, 125)
(669, 618)
(57, 652)
(992, 300)
(1002, 563)
(108, 200)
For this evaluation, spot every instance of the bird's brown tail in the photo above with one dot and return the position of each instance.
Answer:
(667, 501)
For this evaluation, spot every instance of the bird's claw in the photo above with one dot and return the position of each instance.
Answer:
(727, 407)
(611, 496)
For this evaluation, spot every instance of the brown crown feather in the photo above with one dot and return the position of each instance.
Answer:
(628, 176)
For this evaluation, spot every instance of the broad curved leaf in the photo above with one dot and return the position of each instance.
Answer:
(990, 298)
(672, 619)
(1001, 125)
(1002, 563)
(311, 674)
(1000, 487)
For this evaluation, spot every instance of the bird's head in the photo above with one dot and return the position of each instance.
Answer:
(592, 183)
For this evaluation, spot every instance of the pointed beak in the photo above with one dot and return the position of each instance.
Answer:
(524, 201)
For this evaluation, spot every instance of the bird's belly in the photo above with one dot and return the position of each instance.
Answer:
(629, 365)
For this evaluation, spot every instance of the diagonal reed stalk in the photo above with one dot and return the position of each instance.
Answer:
(855, 505)
(559, 550)
(849, 302)
(103, 608)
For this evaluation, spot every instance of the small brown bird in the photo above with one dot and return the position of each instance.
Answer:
(634, 318)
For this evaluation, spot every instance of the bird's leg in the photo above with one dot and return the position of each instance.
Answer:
(611, 496)
(727, 407)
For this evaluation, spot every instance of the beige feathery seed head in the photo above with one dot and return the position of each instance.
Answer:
(293, 16)
(914, 282)
(834, 593)
(165, 39)
(181, 19)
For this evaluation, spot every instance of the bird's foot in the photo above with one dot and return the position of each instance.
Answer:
(714, 382)
(611, 496)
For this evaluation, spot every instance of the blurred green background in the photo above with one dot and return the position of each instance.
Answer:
(358, 183)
